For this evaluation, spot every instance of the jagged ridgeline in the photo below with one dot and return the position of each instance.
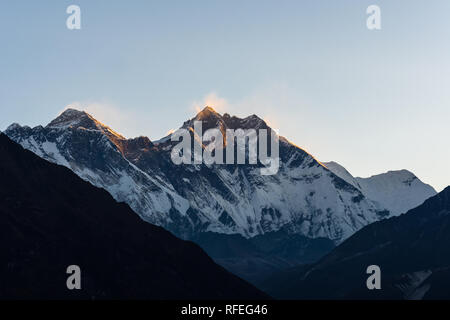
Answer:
(51, 219)
(302, 211)
(304, 197)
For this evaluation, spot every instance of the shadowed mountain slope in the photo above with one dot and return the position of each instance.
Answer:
(412, 251)
(50, 219)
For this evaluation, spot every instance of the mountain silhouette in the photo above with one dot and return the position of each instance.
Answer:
(51, 219)
(411, 250)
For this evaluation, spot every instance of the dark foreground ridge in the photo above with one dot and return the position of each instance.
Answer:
(50, 219)
(412, 251)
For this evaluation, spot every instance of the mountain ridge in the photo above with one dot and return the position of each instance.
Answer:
(396, 190)
(304, 210)
(50, 219)
(258, 206)
(411, 251)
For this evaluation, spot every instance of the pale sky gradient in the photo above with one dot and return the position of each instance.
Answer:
(371, 100)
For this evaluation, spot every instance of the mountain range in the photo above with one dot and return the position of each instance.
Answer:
(51, 219)
(269, 222)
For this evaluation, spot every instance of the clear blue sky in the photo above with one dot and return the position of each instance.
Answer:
(370, 100)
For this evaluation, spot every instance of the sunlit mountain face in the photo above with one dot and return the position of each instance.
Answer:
(305, 199)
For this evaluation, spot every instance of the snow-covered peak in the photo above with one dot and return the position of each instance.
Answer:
(250, 122)
(13, 126)
(207, 112)
(400, 175)
(72, 118)
(387, 180)
(212, 119)
(209, 118)
(397, 191)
